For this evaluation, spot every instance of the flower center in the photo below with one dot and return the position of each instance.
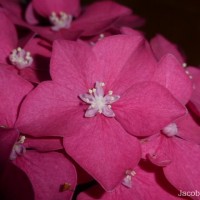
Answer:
(18, 148)
(127, 181)
(170, 130)
(20, 58)
(59, 21)
(98, 102)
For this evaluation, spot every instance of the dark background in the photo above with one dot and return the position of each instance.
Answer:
(177, 20)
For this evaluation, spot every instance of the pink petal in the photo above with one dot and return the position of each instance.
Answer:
(8, 37)
(48, 172)
(69, 65)
(140, 67)
(99, 16)
(171, 75)
(157, 148)
(94, 144)
(13, 90)
(188, 129)
(136, 62)
(30, 15)
(183, 172)
(46, 111)
(46, 7)
(107, 52)
(162, 46)
(146, 108)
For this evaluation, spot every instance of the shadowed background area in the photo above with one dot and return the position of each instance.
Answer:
(178, 21)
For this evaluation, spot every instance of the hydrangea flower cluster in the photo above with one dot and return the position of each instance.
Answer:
(90, 109)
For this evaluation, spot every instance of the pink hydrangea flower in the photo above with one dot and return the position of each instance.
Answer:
(93, 122)
(28, 58)
(175, 154)
(67, 22)
(13, 90)
(161, 46)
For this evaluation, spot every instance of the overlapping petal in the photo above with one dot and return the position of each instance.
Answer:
(171, 75)
(102, 148)
(46, 110)
(146, 107)
(13, 91)
(183, 171)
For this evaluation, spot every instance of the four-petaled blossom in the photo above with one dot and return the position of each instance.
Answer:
(86, 120)
(98, 102)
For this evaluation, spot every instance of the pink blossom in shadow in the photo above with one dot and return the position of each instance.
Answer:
(31, 60)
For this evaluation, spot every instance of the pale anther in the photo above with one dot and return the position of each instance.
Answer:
(184, 65)
(110, 92)
(21, 58)
(60, 20)
(99, 102)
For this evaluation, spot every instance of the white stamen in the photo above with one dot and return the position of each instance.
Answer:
(20, 58)
(184, 65)
(187, 72)
(170, 130)
(18, 148)
(101, 36)
(98, 102)
(110, 92)
(90, 91)
(127, 181)
(102, 84)
(22, 139)
(61, 20)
